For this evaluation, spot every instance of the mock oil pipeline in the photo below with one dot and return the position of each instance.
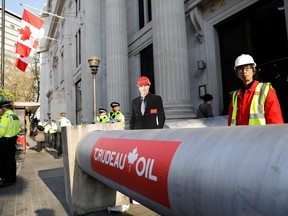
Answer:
(197, 171)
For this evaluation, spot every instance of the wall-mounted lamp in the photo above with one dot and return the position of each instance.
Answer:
(201, 64)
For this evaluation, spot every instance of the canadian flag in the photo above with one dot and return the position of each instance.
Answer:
(28, 38)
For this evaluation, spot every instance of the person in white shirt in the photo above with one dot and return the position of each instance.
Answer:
(63, 122)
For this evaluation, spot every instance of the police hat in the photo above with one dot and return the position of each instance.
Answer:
(63, 113)
(114, 104)
(102, 110)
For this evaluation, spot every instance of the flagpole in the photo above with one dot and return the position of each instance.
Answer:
(53, 39)
(46, 12)
(2, 44)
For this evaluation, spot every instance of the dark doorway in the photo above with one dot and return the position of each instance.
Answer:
(147, 65)
(260, 31)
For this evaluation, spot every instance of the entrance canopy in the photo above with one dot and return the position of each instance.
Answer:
(32, 106)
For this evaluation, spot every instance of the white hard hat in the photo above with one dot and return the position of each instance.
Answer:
(244, 59)
(40, 123)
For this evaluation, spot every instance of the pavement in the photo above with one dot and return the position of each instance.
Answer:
(40, 188)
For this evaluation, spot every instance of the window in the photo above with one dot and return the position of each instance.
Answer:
(78, 6)
(78, 102)
(145, 12)
(78, 48)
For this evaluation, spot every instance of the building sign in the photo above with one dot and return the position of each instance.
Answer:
(140, 165)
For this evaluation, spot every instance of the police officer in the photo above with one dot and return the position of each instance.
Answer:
(46, 126)
(9, 129)
(53, 133)
(102, 117)
(116, 115)
(64, 121)
(255, 103)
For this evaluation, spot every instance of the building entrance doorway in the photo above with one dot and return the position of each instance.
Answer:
(260, 31)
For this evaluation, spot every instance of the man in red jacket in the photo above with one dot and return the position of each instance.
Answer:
(255, 103)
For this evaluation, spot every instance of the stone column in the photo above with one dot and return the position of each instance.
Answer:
(91, 44)
(171, 58)
(117, 54)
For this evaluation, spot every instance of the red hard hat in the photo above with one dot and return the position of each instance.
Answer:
(143, 81)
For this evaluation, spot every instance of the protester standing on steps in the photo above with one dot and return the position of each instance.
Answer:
(147, 109)
(9, 129)
(255, 103)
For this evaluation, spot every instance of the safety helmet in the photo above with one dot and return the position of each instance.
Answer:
(40, 123)
(244, 59)
(5, 98)
(143, 81)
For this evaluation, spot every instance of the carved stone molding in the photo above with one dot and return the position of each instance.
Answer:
(195, 19)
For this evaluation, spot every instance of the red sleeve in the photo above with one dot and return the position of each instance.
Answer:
(272, 109)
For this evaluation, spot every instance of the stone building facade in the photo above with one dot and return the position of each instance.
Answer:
(185, 47)
(12, 27)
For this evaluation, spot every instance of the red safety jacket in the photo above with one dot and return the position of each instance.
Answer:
(272, 108)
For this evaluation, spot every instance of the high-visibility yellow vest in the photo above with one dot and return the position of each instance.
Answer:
(47, 127)
(116, 116)
(53, 128)
(257, 112)
(9, 124)
(102, 119)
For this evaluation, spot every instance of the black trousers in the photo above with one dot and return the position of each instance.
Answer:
(53, 140)
(7, 158)
(60, 150)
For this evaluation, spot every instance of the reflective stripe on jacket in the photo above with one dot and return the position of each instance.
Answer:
(9, 124)
(46, 128)
(102, 119)
(257, 112)
(53, 128)
(116, 115)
